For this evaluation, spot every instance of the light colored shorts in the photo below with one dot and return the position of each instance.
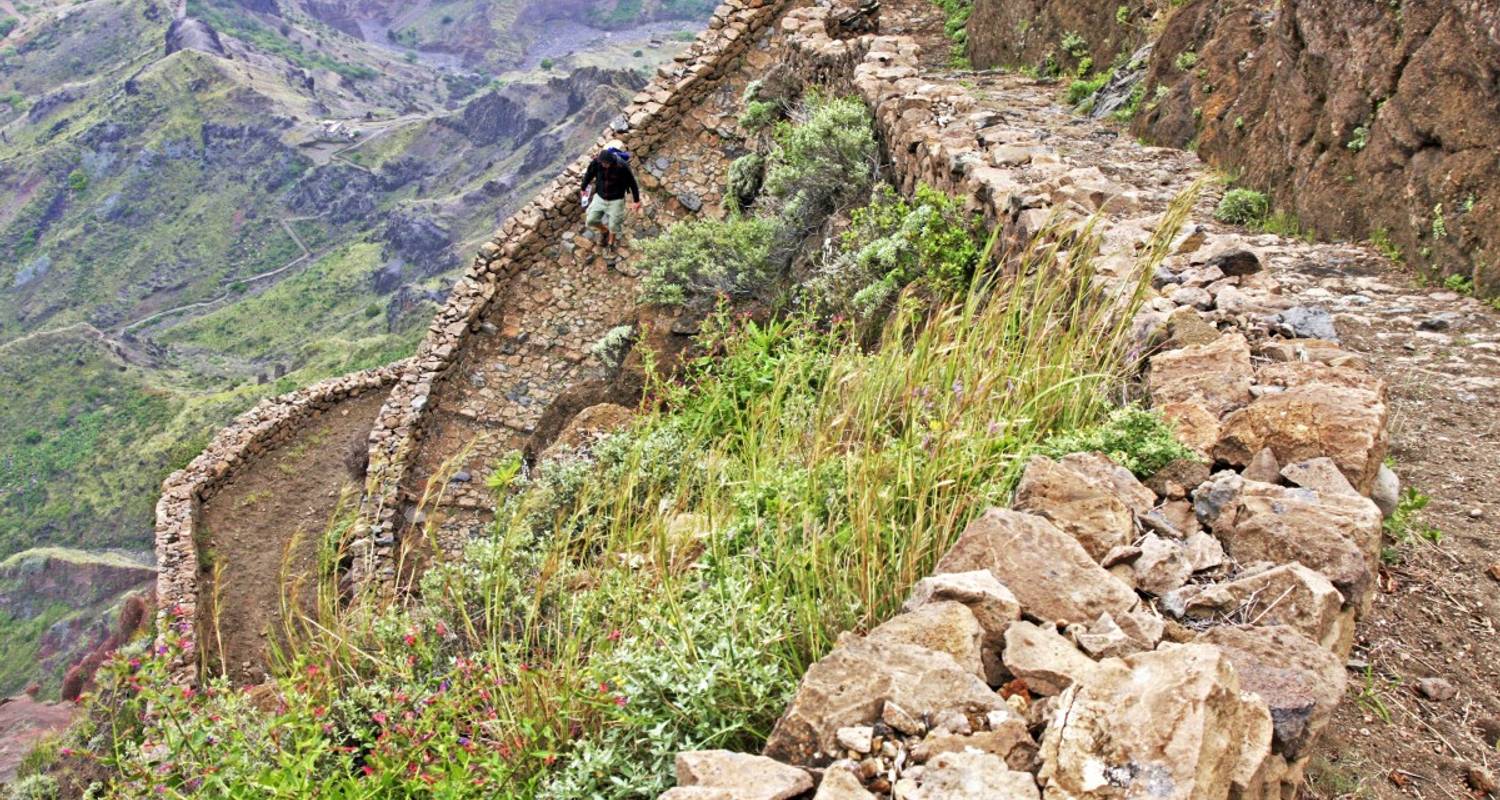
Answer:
(609, 212)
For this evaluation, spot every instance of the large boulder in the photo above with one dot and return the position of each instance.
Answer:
(969, 776)
(993, 606)
(1216, 375)
(1300, 681)
(851, 686)
(1290, 595)
(1304, 422)
(725, 775)
(1048, 570)
(1337, 535)
(1174, 725)
(945, 626)
(1086, 499)
(1047, 662)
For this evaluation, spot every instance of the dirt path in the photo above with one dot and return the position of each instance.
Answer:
(288, 490)
(1399, 734)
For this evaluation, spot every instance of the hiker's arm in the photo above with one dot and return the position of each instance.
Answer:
(589, 175)
(635, 191)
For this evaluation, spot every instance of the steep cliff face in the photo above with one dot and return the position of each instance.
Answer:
(1357, 117)
(1013, 32)
(1364, 120)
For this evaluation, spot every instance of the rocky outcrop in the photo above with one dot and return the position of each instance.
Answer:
(191, 33)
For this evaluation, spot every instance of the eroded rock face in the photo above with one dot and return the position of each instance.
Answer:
(1348, 425)
(1300, 681)
(1355, 117)
(725, 775)
(1174, 725)
(1048, 570)
(851, 685)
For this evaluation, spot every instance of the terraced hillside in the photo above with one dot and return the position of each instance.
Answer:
(210, 203)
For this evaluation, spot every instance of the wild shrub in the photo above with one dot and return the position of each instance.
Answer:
(891, 243)
(742, 184)
(823, 160)
(34, 787)
(707, 257)
(758, 115)
(1132, 436)
(1242, 207)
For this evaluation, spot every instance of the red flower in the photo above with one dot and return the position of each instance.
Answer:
(409, 639)
(368, 770)
(620, 700)
(603, 688)
(614, 635)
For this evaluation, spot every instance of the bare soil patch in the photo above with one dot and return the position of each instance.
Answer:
(247, 576)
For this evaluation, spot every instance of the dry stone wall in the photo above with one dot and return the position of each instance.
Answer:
(251, 436)
(1182, 637)
(509, 297)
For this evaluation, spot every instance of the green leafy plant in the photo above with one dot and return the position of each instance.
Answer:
(759, 114)
(1439, 223)
(1134, 437)
(1462, 284)
(742, 184)
(955, 24)
(1403, 524)
(1242, 207)
(1185, 61)
(1074, 45)
(1359, 139)
(1381, 239)
(892, 243)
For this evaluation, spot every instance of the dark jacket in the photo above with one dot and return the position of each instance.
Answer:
(612, 180)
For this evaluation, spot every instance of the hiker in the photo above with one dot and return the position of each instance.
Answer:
(610, 176)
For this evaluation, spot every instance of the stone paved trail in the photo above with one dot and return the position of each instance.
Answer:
(1439, 352)
(535, 342)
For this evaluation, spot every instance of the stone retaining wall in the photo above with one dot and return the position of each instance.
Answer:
(1184, 637)
(250, 436)
(655, 112)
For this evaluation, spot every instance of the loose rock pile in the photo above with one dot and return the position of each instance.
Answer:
(1182, 637)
